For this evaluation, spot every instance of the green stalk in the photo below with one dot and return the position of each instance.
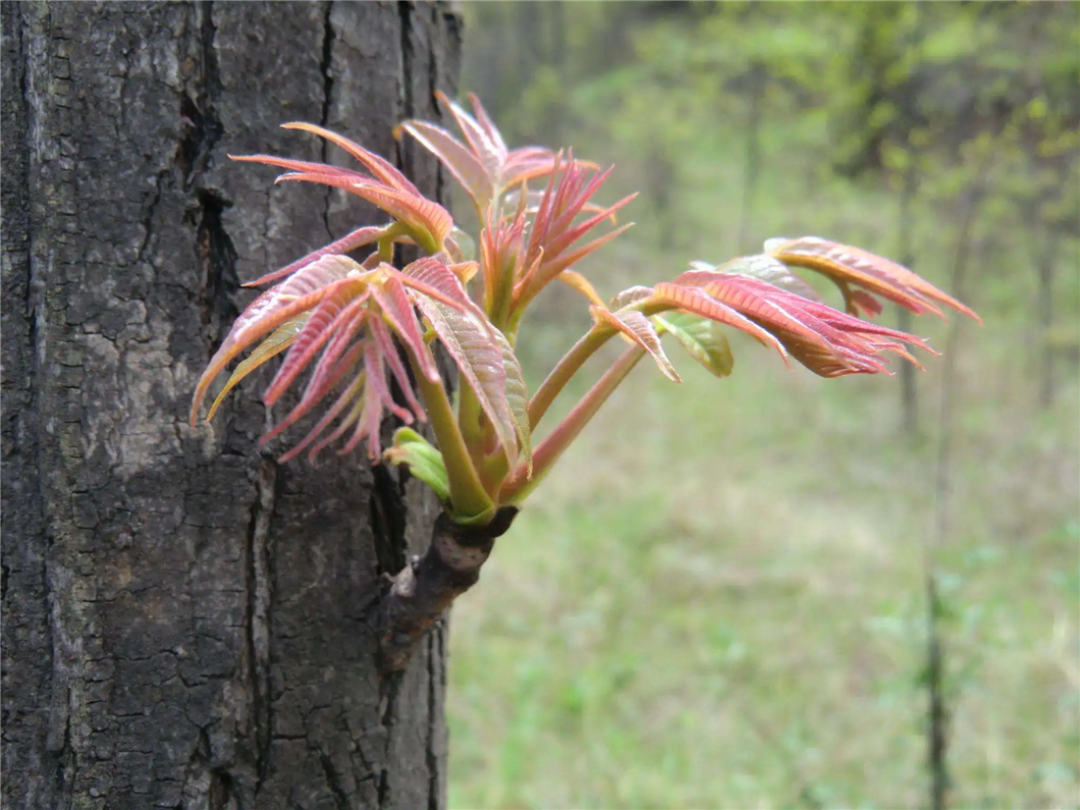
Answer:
(518, 486)
(471, 503)
(475, 437)
(385, 242)
(564, 370)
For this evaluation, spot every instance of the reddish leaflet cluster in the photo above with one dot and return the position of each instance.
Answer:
(337, 318)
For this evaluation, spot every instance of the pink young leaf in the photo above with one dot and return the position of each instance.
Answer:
(333, 312)
(874, 273)
(629, 296)
(697, 302)
(299, 293)
(491, 153)
(375, 362)
(462, 163)
(428, 221)
(470, 343)
(381, 335)
(280, 339)
(639, 330)
(357, 398)
(493, 134)
(381, 168)
(517, 397)
(347, 397)
(332, 366)
(356, 239)
(398, 311)
(765, 268)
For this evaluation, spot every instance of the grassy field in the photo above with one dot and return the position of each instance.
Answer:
(733, 615)
(718, 599)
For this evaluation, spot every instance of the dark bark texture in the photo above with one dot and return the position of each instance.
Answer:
(185, 623)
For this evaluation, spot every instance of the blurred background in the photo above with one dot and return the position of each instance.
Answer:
(774, 590)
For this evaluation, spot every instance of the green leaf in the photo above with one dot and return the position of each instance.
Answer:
(765, 268)
(703, 339)
(423, 460)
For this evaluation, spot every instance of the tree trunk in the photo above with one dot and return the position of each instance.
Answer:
(909, 393)
(187, 624)
(1046, 259)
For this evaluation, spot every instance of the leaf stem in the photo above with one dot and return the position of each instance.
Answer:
(467, 494)
(547, 453)
(564, 370)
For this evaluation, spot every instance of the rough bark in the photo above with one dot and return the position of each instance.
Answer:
(186, 623)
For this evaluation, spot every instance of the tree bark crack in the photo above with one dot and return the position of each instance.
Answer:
(389, 687)
(407, 57)
(333, 781)
(326, 69)
(260, 603)
(436, 662)
(388, 517)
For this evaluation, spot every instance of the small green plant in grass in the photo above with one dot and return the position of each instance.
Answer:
(336, 319)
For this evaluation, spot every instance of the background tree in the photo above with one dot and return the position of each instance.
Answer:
(187, 624)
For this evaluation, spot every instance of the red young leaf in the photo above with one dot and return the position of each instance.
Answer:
(431, 277)
(299, 293)
(873, 273)
(697, 302)
(765, 268)
(428, 221)
(640, 330)
(493, 134)
(483, 164)
(826, 341)
(356, 396)
(347, 397)
(631, 295)
(490, 153)
(280, 340)
(334, 312)
(381, 168)
(385, 342)
(334, 364)
(462, 163)
(469, 341)
(356, 239)
(553, 231)
(398, 311)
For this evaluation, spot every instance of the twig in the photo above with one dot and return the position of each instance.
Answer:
(423, 590)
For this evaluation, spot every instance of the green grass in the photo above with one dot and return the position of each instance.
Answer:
(717, 599)
(733, 615)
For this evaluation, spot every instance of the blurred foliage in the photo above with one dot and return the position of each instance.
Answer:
(747, 629)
